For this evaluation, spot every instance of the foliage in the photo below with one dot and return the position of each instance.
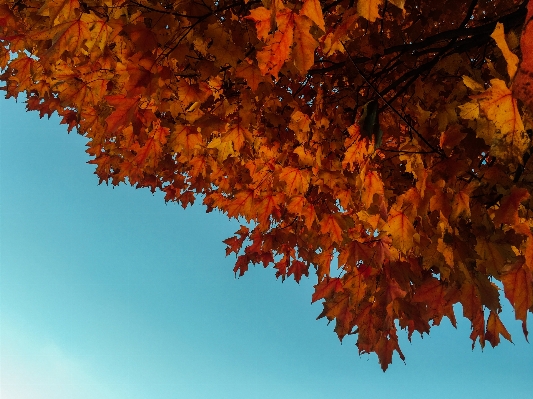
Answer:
(392, 135)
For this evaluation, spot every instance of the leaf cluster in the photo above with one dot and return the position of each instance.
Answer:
(392, 136)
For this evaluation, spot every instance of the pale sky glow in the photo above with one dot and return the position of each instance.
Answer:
(109, 293)
(34, 368)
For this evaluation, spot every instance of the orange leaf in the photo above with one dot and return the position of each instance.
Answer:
(261, 17)
(518, 288)
(251, 73)
(296, 180)
(267, 207)
(298, 269)
(523, 82)
(272, 57)
(330, 226)
(153, 148)
(122, 116)
(372, 184)
(242, 205)
(501, 109)
(495, 328)
(303, 50)
(507, 213)
(313, 10)
(401, 230)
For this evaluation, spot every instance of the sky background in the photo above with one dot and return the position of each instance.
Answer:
(110, 293)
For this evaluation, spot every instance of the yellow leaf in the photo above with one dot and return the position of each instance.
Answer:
(469, 111)
(313, 11)
(398, 3)
(369, 9)
(225, 148)
(401, 230)
(500, 107)
(60, 11)
(512, 60)
(472, 84)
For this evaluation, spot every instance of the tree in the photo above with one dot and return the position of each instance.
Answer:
(392, 135)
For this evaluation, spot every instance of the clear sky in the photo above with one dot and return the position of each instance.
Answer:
(110, 293)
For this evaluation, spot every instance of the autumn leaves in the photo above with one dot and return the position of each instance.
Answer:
(287, 34)
(258, 110)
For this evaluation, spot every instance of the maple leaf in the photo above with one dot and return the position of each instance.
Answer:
(303, 50)
(508, 210)
(517, 285)
(522, 85)
(330, 226)
(501, 108)
(372, 184)
(298, 269)
(313, 11)
(512, 60)
(369, 9)
(401, 230)
(296, 180)
(495, 328)
(326, 288)
(272, 57)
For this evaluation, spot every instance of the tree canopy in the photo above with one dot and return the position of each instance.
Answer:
(389, 137)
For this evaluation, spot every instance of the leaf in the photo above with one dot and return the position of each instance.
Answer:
(500, 108)
(261, 17)
(152, 150)
(123, 114)
(313, 10)
(330, 226)
(298, 269)
(296, 180)
(60, 10)
(326, 288)
(272, 57)
(242, 205)
(251, 73)
(495, 328)
(518, 288)
(401, 230)
(300, 125)
(372, 184)
(398, 3)
(369, 9)
(523, 82)
(303, 50)
(512, 60)
(507, 213)
(472, 84)
(268, 206)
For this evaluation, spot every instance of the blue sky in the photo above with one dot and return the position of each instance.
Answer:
(110, 293)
